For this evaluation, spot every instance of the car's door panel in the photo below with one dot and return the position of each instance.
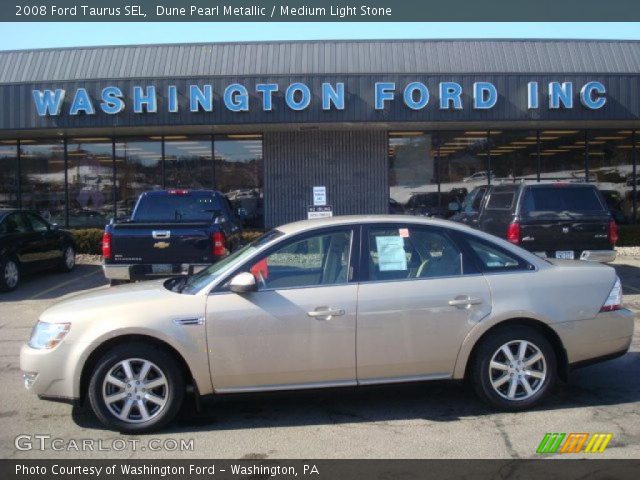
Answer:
(414, 314)
(409, 329)
(299, 328)
(267, 339)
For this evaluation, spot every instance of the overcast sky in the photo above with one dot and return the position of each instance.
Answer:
(48, 35)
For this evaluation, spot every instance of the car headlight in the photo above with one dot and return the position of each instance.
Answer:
(48, 335)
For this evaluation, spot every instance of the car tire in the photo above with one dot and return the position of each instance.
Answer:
(68, 260)
(9, 274)
(519, 382)
(120, 403)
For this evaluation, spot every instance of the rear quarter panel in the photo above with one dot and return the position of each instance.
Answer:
(566, 296)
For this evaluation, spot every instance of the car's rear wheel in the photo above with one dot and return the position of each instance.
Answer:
(514, 368)
(136, 388)
(68, 260)
(9, 274)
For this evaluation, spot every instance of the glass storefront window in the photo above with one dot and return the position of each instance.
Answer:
(611, 168)
(42, 182)
(239, 175)
(463, 164)
(138, 169)
(188, 163)
(90, 177)
(413, 187)
(514, 155)
(8, 174)
(562, 155)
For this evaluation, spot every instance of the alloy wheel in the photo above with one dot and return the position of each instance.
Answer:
(517, 370)
(70, 258)
(135, 390)
(11, 274)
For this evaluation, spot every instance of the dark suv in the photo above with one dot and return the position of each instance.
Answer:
(554, 220)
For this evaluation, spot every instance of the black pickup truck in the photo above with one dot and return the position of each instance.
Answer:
(554, 220)
(170, 232)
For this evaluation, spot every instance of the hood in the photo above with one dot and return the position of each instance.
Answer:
(95, 303)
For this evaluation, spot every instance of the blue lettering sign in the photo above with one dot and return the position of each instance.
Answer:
(305, 96)
(592, 95)
(450, 93)
(236, 98)
(199, 99)
(485, 95)
(81, 103)
(145, 99)
(409, 95)
(331, 95)
(560, 94)
(48, 102)
(112, 102)
(384, 92)
(267, 90)
(172, 99)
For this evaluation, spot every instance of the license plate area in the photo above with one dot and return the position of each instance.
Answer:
(162, 268)
(565, 254)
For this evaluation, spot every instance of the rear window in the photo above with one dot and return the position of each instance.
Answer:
(561, 200)
(177, 208)
(500, 200)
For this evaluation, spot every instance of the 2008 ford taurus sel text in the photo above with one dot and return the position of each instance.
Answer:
(332, 302)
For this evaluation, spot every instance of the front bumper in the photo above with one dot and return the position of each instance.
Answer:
(45, 372)
(141, 271)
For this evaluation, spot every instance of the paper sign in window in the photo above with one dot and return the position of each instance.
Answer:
(391, 255)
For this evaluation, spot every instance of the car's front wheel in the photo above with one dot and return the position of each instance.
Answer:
(136, 388)
(514, 368)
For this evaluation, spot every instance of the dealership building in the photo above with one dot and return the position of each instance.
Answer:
(291, 129)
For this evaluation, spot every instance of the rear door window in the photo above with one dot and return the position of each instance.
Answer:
(501, 200)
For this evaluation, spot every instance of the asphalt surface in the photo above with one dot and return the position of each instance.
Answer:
(427, 420)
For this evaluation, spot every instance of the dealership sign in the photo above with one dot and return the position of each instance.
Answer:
(236, 97)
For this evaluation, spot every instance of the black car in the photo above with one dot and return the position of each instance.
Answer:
(554, 220)
(29, 243)
(171, 232)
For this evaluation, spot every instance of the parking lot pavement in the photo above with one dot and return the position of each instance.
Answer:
(429, 420)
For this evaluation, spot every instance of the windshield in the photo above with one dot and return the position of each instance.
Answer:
(198, 281)
(188, 207)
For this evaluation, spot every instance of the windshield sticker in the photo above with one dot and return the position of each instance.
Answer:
(391, 255)
(404, 232)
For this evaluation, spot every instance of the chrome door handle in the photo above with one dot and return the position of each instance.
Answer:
(464, 301)
(324, 313)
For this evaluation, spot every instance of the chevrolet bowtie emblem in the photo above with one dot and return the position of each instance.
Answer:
(161, 245)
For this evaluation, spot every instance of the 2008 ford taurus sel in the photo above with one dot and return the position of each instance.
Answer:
(332, 302)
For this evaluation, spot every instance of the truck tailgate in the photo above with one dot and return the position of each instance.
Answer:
(161, 243)
(544, 234)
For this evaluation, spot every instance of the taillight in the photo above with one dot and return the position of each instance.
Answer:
(614, 300)
(219, 247)
(106, 245)
(513, 233)
(613, 233)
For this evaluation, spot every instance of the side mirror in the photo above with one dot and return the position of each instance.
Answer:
(243, 282)
(54, 226)
(454, 206)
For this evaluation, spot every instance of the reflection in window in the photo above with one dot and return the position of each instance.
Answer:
(8, 174)
(42, 170)
(138, 169)
(413, 187)
(562, 155)
(611, 167)
(90, 177)
(239, 169)
(514, 155)
(188, 162)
